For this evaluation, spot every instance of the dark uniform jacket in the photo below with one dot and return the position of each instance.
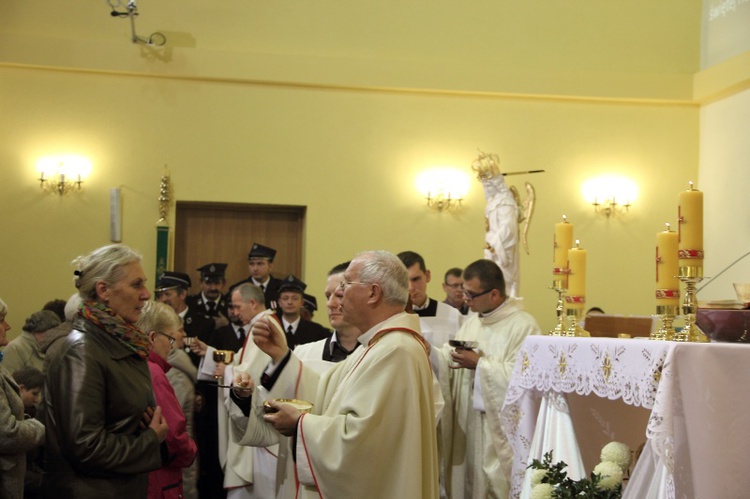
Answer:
(199, 326)
(198, 304)
(307, 332)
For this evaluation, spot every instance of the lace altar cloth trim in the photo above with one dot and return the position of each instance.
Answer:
(626, 369)
(607, 367)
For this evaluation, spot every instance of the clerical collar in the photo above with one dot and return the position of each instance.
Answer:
(424, 306)
(494, 310)
(508, 307)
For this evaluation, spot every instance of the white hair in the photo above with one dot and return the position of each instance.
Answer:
(387, 270)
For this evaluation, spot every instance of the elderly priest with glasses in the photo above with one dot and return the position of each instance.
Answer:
(371, 432)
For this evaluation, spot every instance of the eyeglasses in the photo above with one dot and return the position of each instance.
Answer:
(345, 284)
(171, 339)
(471, 296)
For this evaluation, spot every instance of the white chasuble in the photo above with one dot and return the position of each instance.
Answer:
(372, 430)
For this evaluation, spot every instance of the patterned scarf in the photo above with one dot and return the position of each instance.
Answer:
(105, 318)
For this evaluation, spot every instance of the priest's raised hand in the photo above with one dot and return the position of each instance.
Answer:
(270, 339)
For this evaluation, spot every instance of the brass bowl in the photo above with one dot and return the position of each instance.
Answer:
(302, 406)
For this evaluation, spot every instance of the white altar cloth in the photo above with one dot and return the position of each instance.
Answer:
(696, 392)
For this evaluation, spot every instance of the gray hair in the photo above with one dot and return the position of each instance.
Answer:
(40, 322)
(103, 264)
(159, 317)
(249, 291)
(385, 269)
(3, 309)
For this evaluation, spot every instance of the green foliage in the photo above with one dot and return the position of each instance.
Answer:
(567, 488)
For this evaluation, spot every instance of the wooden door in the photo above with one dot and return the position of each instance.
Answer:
(207, 232)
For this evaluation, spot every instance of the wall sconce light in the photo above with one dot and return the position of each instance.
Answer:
(62, 174)
(444, 188)
(610, 195)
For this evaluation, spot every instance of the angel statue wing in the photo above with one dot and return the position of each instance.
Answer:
(525, 211)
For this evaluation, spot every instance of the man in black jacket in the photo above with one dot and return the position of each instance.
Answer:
(298, 330)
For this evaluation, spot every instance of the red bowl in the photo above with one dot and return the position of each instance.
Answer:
(724, 325)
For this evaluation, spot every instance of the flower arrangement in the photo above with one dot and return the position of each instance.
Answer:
(551, 481)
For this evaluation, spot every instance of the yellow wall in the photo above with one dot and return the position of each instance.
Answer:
(342, 120)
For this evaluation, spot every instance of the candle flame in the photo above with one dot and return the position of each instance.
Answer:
(565, 219)
(668, 227)
(578, 243)
(691, 185)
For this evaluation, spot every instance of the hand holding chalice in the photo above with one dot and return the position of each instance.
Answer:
(222, 358)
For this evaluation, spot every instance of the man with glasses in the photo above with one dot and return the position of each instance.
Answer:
(474, 381)
(374, 410)
(453, 285)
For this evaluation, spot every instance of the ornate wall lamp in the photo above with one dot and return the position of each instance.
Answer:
(62, 174)
(444, 188)
(610, 195)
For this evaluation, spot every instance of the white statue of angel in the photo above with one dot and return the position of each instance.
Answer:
(503, 213)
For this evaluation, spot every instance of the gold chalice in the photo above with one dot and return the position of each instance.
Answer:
(223, 357)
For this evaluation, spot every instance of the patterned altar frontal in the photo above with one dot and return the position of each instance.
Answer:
(692, 448)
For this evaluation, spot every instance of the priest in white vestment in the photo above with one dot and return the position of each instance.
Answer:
(371, 432)
(249, 472)
(477, 453)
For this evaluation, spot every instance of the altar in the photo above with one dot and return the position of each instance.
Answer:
(686, 403)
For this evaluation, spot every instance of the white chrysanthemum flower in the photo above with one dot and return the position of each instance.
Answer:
(617, 452)
(536, 476)
(542, 491)
(611, 474)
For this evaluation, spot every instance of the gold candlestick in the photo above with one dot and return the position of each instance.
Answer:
(690, 275)
(666, 331)
(559, 287)
(574, 329)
